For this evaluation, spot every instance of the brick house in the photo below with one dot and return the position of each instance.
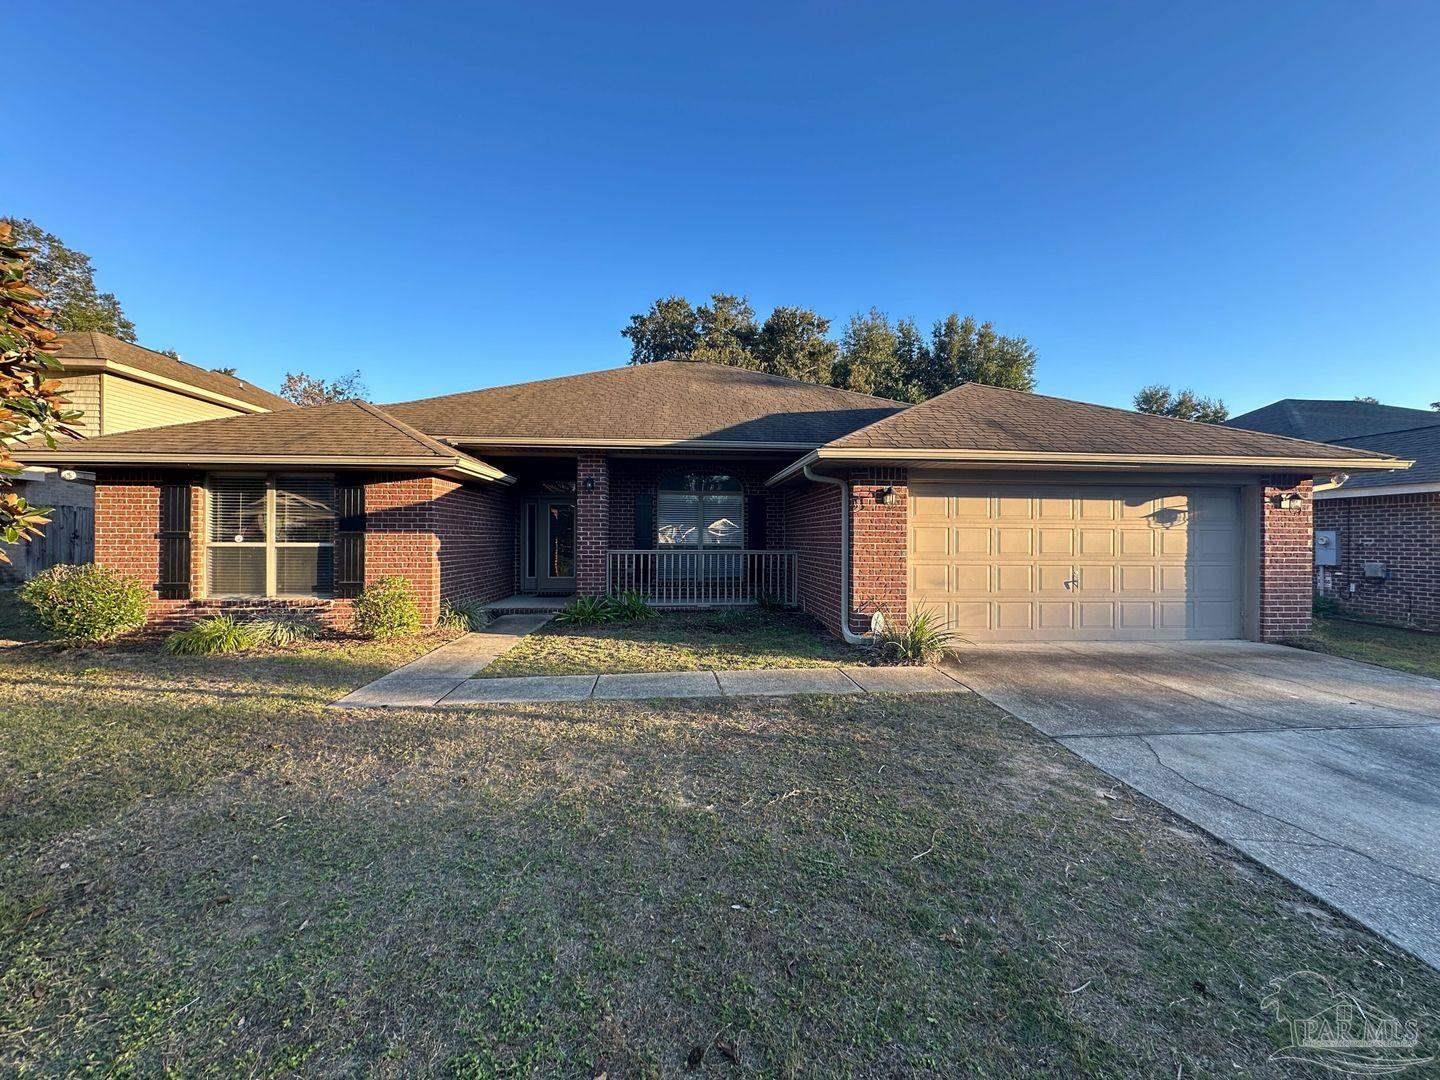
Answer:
(117, 386)
(1012, 515)
(1377, 554)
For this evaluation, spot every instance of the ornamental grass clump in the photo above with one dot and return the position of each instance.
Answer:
(920, 638)
(214, 635)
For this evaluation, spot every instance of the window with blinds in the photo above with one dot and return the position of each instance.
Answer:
(698, 510)
(272, 536)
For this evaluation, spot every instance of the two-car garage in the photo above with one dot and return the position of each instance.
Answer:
(1079, 562)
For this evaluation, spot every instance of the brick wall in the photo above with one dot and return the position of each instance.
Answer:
(592, 521)
(452, 542)
(400, 538)
(475, 524)
(811, 525)
(879, 546)
(1401, 531)
(1287, 559)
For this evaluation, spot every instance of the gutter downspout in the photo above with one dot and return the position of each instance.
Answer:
(849, 635)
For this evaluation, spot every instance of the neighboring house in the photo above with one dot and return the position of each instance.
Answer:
(1378, 549)
(119, 387)
(1015, 516)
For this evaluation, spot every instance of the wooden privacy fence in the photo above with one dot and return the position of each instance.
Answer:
(704, 578)
(69, 538)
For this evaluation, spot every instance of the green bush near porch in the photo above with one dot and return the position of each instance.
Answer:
(86, 603)
(386, 610)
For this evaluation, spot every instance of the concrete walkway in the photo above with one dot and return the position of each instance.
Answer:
(400, 689)
(1325, 770)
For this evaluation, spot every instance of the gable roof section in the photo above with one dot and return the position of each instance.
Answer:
(1332, 421)
(347, 434)
(985, 424)
(665, 403)
(92, 350)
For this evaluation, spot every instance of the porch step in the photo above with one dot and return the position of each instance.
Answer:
(528, 605)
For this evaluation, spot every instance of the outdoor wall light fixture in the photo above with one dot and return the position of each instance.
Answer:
(589, 484)
(885, 496)
(1287, 500)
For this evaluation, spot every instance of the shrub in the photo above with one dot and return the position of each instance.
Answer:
(769, 601)
(285, 629)
(88, 603)
(587, 609)
(216, 634)
(1324, 606)
(918, 639)
(631, 606)
(387, 609)
(472, 615)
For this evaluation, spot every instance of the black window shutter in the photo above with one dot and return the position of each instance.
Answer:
(349, 539)
(755, 522)
(644, 520)
(174, 535)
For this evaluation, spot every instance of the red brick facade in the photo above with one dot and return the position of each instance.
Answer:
(879, 546)
(1403, 533)
(812, 528)
(592, 522)
(457, 542)
(452, 542)
(1286, 559)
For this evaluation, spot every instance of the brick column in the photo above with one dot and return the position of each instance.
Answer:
(1287, 559)
(592, 521)
(400, 538)
(879, 547)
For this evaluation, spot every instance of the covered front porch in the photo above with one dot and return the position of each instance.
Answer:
(680, 531)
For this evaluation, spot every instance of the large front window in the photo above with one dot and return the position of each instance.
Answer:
(700, 510)
(271, 536)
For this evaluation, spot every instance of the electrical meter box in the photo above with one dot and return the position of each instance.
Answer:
(1327, 548)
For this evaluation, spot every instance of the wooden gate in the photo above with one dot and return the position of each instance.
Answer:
(69, 538)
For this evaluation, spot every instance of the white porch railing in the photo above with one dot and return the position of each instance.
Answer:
(709, 577)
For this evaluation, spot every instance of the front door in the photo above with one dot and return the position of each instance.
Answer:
(554, 539)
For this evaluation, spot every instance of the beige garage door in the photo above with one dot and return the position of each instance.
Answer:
(1037, 563)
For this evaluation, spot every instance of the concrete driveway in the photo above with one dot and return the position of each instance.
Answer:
(1325, 770)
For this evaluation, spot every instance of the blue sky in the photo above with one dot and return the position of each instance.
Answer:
(1237, 197)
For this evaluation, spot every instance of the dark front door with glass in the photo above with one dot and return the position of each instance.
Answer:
(548, 546)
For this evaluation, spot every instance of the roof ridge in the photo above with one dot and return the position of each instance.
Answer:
(435, 446)
(1136, 412)
(1391, 431)
(513, 385)
(626, 368)
(792, 379)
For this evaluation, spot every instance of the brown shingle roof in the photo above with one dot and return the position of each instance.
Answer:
(345, 433)
(669, 401)
(986, 418)
(78, 349)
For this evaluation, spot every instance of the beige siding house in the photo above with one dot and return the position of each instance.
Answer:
(120, 387)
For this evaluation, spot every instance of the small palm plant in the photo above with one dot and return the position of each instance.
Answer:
(920, 638)
(631, 607)
(584, 610)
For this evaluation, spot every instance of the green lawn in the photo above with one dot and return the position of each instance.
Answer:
(15, 622)
(206, 870)
(722, 639)
(1388, 646)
